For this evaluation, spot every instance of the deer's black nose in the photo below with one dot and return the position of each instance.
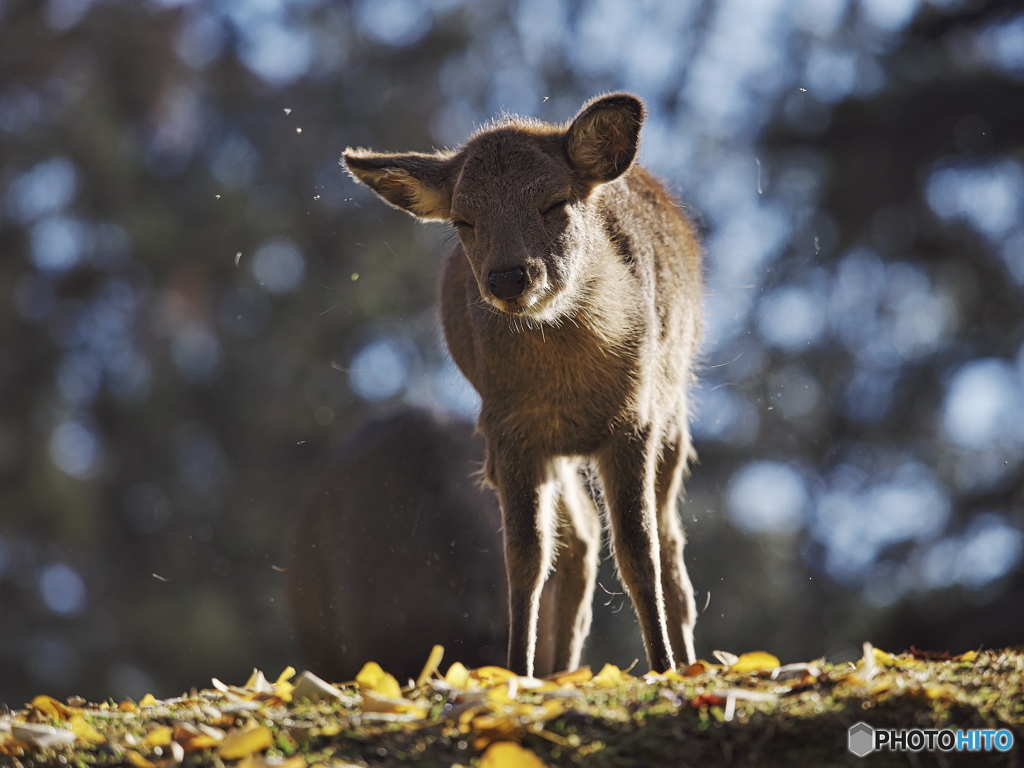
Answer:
(508, 283)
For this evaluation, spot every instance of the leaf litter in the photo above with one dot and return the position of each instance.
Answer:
(748, 709)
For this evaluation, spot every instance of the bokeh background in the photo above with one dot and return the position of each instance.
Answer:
(195, 302)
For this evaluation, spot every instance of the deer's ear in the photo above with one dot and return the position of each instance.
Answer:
(414, 182)
(603, 138)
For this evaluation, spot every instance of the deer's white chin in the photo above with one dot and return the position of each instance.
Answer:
(540, 306)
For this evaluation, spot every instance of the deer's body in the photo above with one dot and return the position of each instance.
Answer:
(572, 304)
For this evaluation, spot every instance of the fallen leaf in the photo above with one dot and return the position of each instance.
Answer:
(148, 700)
(372, 678)
(433, 662)
(726, 658)
(42, 736)
(457, 676)
(374, 702)
(85, 732)
(50, 706)
(755, 661)
(309, 686)
(697, 668)
(492, 675)
(610, 676)
(506, 754)
(577, 676)
(195, 737)
(158, 737)
(884, 659)
(245, 741)
(138, 760)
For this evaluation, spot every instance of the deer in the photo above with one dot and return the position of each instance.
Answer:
(394, 547)
(572, 304)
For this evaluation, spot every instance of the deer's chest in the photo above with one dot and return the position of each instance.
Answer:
(560, 391)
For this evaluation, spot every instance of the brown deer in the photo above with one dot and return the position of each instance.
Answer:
(395, 548)
(572, 304)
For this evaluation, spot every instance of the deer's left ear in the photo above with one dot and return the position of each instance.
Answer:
(603, 138)
(415, 182)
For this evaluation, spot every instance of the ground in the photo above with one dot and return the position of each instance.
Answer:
(744, 710)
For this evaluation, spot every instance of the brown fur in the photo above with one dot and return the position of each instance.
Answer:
(590, 364)
(396, 548)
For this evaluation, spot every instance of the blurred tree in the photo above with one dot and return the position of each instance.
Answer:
(195, 301)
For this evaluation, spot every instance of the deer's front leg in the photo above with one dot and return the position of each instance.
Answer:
(525, 491)
(627, 467)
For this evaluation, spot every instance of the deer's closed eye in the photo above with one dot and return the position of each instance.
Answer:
(461, 224)
(554, 207)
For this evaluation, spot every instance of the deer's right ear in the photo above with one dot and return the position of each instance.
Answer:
(415, 182)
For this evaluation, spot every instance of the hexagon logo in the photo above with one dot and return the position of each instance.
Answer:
(861, 739)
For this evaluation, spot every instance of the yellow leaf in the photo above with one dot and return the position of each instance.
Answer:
(968, 656)
(506, 754)
(552, 708)
(674, 677)
(50, 706)
(196, 737)
(458, 676)
(755, 661)
(374, 702)
(158, 737)
(245, 741)
(492, 675)
(148, 700)
(610, 676)
(128, 706)
(138, 760)
(581, 675)
(433, 662)
(285, 676)
(884, 659)
(283, 690)
(372, 678)
(85, 732)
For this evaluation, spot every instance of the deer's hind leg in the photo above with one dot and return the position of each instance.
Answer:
(680, 608)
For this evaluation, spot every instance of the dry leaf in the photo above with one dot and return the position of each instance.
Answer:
(42, 736)
(433, 662)
(727, 659)
(492, 675)
(372, 678)
(158, 737)
(85, 732)
(138, 760)
(458, 676)
(50, 706)
(576, 677)
(309, 686)
(374, 702)
(245, 741)
(506, 754)
(755, 661)
(610, 676)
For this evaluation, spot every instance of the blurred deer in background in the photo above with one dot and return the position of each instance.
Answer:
(572, 304)
(397, 548)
